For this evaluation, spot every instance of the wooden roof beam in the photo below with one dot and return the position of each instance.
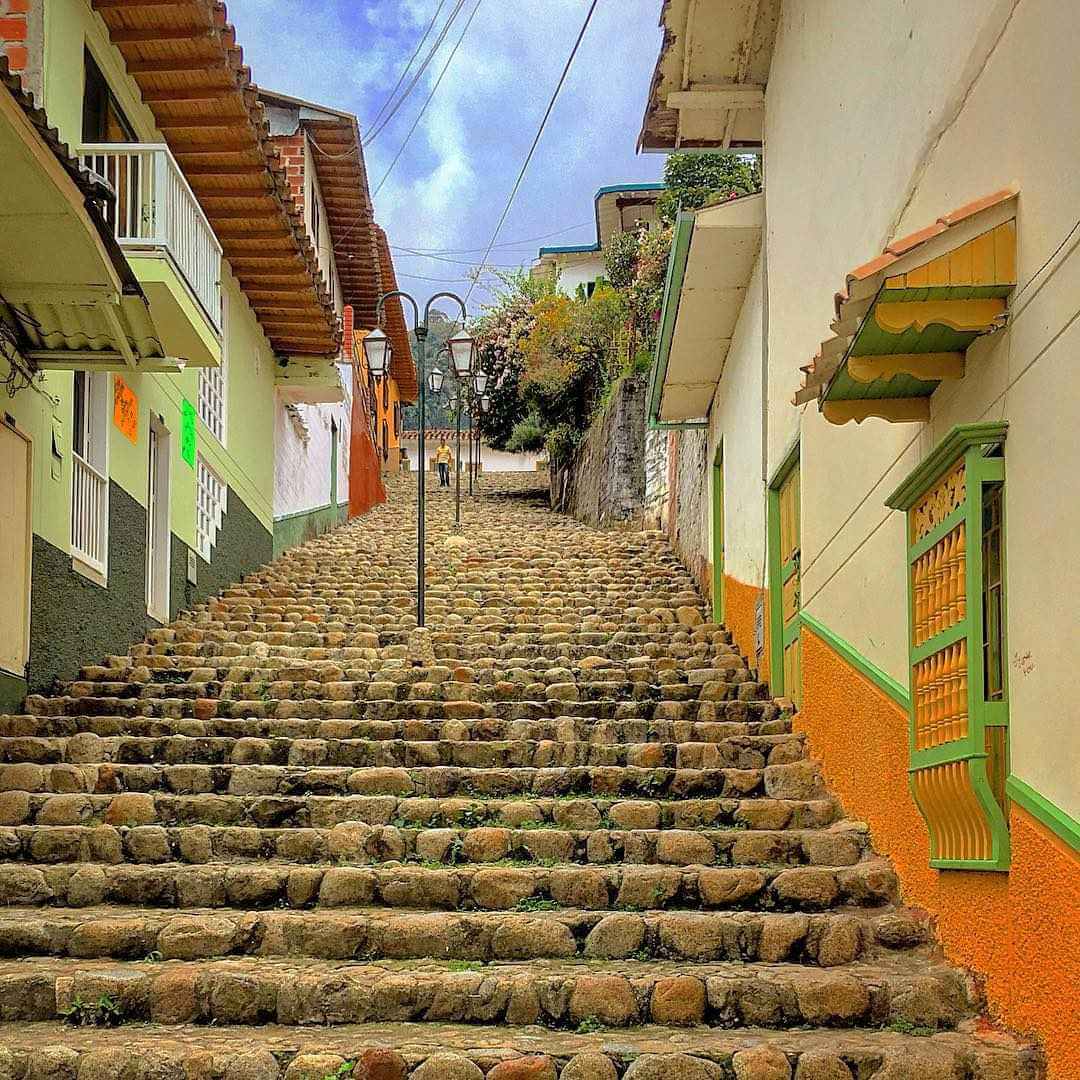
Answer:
(138, 35)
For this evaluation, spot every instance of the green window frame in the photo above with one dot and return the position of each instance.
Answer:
(718, 535)
(958, 724)
(780, 573)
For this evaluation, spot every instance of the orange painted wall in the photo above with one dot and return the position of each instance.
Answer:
(386, 415)
(1020, 931)
(740, 612)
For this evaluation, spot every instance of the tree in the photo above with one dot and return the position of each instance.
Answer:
(440, 329)
(697, 180)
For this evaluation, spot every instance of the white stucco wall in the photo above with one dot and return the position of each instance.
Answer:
(490, 460)
(989, 91)
(302, 468)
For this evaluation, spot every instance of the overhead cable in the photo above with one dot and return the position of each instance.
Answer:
(423, 109)
(412, 59)
(380, 127)
(536, 141)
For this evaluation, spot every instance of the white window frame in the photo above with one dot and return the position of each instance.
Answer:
(214, 386)
(211, 505)
(88, 464)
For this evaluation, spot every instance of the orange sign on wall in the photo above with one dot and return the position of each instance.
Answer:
(126, 409)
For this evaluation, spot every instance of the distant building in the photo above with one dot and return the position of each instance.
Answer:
(491, 460)
(621, 208)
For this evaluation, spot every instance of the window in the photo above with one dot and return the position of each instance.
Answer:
(385, 441)
(89, 469)
(210, 505)
(103, 119)
(958, 754)
(397, 419)
(212, 388)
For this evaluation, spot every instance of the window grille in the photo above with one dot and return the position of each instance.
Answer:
(959, 694)
(211, 503)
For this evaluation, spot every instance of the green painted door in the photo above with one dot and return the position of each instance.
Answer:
(718, 538)
(333, 469)
(790, 584)
(785, 580)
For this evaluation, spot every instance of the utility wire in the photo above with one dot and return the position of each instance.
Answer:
(379, 128)
(412, 59)
(423, 109)
(473, 251)
(536, 141)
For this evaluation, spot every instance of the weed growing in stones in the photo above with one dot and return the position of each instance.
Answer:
(903, 1026)
(536, 903)
(105, 1012)
(589, 1025)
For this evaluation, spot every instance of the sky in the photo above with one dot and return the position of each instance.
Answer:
(449, 186)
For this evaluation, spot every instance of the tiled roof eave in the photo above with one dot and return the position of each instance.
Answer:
(864, 284)
(185, 59)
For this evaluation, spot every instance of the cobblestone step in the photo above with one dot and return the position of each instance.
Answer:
(870, 883)
(326, 811)
(734, 720)
(825, 940)
(557, 993)
(798, 780)
(360, 844)
(445, 1051)
(740, 752)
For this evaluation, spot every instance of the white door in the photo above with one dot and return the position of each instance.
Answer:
(15, 458)
(157, 524)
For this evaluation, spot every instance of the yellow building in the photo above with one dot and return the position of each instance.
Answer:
(873, 358)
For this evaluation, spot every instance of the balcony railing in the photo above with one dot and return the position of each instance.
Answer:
(89, 513)
(155, 208)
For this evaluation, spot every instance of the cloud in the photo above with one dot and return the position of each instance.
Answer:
(451, 183)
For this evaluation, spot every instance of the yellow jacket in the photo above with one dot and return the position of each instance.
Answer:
(443, 456)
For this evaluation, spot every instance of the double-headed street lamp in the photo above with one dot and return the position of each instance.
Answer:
(377, 352)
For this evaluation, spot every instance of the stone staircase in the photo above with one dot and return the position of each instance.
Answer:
(562, 833)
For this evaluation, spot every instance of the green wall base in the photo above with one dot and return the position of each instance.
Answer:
(293, 529)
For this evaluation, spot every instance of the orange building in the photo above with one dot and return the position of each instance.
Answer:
(390, 395)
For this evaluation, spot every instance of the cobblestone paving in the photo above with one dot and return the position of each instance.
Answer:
(562, 833)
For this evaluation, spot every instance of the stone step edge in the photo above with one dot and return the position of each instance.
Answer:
(555, 993)
(29, 1050)
(827, 940)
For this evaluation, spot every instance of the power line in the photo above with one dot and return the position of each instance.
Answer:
(412, 59)
(473, 251)
(536, 141)
(459, 262)
(423, 109)
(380, 127)
(443, 281)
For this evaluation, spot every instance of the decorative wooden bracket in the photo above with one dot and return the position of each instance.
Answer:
(894, 410)
(971, 316)
(929, 367)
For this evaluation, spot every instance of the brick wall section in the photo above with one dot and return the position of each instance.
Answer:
(15, 32)
(291, 149)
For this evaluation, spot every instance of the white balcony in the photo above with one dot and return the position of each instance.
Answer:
(169, 243)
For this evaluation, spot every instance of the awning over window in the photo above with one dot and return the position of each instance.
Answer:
(905, 320)
(713, 256)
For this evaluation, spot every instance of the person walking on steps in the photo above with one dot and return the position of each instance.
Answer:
(443, 457)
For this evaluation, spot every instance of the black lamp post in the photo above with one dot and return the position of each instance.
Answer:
(377, 352)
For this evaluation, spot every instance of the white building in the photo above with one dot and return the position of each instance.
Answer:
(620, 208)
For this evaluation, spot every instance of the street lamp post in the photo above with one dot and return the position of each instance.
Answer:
(377, 352)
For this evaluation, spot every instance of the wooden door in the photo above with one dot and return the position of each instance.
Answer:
(790, 584)
(15, 459)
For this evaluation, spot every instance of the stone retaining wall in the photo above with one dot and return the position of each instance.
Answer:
(604, 483)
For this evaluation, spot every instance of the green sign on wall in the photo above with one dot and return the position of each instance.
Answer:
(187, 432)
